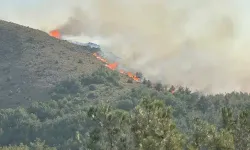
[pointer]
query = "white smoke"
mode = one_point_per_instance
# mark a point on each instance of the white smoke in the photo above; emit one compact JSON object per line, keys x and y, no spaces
{"x":199,"y":43}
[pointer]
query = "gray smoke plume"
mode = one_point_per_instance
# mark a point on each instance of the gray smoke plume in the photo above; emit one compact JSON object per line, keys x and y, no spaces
{"x":75,"y":24}
{"x":198,"y":43}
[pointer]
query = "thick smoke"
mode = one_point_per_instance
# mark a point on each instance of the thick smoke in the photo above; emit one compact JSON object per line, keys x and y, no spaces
{"x":194,"y":43}
{"x":198,"y":43}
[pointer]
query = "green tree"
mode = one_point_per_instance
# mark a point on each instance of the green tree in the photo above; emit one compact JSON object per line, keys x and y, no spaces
{"x":19,"y":147}
{"x":159,"y":87}
{"x":154,"y":128}
{"x":37,"y":145}
{"x":111,"y":128}
{"x":40,"y":145}
{"x":239,"y":127}
{"x":206,"y":136}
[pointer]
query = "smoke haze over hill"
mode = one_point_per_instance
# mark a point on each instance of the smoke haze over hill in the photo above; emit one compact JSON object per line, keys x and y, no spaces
{"x":199,"y":43}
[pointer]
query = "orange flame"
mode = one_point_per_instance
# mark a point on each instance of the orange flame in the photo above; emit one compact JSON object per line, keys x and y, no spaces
{"x":112,"y":66}
{"x":55,"y":34}
{"x":133,"y":76}
{"x":136,"y":79}
{"x":130,"y":74}
{"x":100,"y":58}
{"x":122,"y":71}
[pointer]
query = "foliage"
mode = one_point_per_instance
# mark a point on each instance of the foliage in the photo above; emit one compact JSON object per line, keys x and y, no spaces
{"x":110,"y":128}
{"x":101,"y":76}
{"x":74,"y":86}
{"x":143,"y":117}
{"x":154,"y":128}
{"x":68,"y":86}
{"x":36,"y":145}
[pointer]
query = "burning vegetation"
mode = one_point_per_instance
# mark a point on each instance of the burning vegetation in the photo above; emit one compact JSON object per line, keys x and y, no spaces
{"x":114,"y":66}
{"x":55,"y":34}
{"x":111,"y":65}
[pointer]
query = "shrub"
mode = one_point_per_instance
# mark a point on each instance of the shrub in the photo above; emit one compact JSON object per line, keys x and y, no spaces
{"x":159,"y":87}
{"x":139,"y":75}
{"x":92,"y":95}
{"x":130,"y":81}
{"x":101,"y":76}
{"x":80,"y":61}
{"x":92,"y":87}
{"x":149,"y":84}
{"x":125,"y":105}
{"x":70,"y":86}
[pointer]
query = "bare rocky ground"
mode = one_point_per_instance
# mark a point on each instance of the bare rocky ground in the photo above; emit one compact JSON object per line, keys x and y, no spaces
{"x":31,"y":62}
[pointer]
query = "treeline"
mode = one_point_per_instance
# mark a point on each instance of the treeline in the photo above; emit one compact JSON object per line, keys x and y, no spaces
{"x":144,"y":117}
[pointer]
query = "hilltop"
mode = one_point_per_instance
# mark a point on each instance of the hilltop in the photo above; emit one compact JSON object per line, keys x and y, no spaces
{"x":32,"y":62}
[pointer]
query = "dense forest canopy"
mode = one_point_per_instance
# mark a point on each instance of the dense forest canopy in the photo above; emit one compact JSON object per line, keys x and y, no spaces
{"x":145,"y":117}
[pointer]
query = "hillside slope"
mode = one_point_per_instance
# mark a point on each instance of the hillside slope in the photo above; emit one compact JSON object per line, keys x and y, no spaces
{"x":31,"y":62}
{"x":101,"y":109}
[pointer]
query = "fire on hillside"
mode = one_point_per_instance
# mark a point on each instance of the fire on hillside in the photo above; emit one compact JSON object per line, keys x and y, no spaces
{"x":137,"y":77}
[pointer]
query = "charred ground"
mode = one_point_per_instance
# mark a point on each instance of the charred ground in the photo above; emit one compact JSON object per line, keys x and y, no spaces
{"x":32,"y":62}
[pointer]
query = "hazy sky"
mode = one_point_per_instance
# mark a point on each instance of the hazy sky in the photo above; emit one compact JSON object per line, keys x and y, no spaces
{"x":26,"y":11}
{"x":35,"y":13}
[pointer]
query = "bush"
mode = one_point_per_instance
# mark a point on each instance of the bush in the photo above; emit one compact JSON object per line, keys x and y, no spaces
{"x":159,"y":87}
{"x":139,"y":75}
{"x":102,"y":76}
{"x":70,"y":86}
{"x":92,"y":95}
{"x":149,"y":84}
{"x":92,"y":87}
{"x":130,"y":81}
{"x":80,"y":61}
{"x":125,"y":105}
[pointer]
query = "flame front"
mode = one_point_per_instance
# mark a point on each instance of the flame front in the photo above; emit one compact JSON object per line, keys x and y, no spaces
{"x":55,"y":34}
{"x":100,"y":58}
{"x":112,"y":66}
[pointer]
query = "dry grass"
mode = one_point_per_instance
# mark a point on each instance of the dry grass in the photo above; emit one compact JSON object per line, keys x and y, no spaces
{"x":31,"y":62}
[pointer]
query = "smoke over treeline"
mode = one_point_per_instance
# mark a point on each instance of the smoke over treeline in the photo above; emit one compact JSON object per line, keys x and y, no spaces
{"x":198,"y":43}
